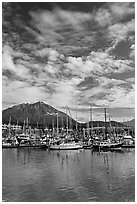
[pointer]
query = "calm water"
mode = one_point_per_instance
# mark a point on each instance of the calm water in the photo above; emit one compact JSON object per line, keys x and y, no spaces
{"x":78,"y":175}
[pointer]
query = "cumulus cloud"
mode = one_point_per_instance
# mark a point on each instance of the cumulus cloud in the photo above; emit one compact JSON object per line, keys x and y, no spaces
{"x":19,"y":91}
{"x":121,"y":10}
{"x":120,"y":31}
{"x":122,"y":98}
{"x":111,"y":17}
{"x":96,"y":64}
{"x":65,"y":48}
{"x":132,"y":53}
{"x":113,"y":12}
{"x":131,"y":80}
{"x":59,"y":18}
{"x":8,"y":63}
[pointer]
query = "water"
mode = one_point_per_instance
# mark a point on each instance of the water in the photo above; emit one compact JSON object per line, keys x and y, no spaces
{"x":34,"y":175}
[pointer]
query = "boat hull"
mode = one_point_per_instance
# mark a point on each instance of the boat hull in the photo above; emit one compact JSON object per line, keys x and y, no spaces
{"x":108,"y":147}
{"x":65,"y":147}
{"x":27,"y":146}
{"x":87,"y":146}
{"x":128,"y":146}
{"x":9,"y":146}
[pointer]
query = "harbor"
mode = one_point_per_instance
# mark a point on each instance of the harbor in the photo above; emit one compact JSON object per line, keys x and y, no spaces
{"x":104,"y":138}
{"x":73,"y":165}
{"x":68,"y":102}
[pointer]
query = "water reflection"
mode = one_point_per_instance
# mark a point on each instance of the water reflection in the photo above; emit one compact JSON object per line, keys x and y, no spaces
{"x":42,"y":175}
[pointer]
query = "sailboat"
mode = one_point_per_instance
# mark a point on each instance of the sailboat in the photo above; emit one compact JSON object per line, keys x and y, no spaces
{"x":64,"y":145}
{"x":107,"y":145}
{"x":9,"y":142}
{"x":88,"y":144}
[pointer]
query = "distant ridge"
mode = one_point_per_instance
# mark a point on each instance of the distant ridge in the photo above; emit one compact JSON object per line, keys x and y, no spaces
{"x":43,"y":115}
{"x":130,"y":123}
{"x":38,"y":113}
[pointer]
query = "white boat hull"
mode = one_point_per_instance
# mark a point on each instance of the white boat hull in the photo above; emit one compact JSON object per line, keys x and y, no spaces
{"x":66,"y":147}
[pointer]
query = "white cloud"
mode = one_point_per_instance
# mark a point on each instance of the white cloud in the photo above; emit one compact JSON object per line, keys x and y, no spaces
{"x":131,"y":80}
{"x":47,"y":75}
{"x":7,"y":60}
{"x":120,"y":9}
{"x":83,"y":68}
{"x":113,"y":12}
{"x":103,"y":17}
{"x":58,"y":18}
{"x":120,"y":31}
{"x":19,"y":92}
{"x":8,"y":63}
{"x":132,"y":53}
{"x":122,"y":97}
{"x":97,"y":64}
{"x":110,"y":64}
{"x":112,"y":18}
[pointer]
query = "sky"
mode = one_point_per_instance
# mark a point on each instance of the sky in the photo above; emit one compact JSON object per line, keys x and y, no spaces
{"x":70,"y":54}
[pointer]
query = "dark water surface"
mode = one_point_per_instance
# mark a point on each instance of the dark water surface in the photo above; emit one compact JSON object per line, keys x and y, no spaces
{"x":77,"y":175}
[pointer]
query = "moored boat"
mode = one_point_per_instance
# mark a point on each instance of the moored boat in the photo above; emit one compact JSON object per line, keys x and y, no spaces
{"x":105,"y":145}
{"x":86,"y":146}
{"x":66,"y":146}
{"x":8,"y":145}
{"x":128,"y":141}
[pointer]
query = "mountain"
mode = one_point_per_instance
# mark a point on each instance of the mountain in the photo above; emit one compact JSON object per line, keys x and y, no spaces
{"x":108,"y":124}
{"x":38,"y":113}
{"x":44,"y":115}
{"x":130,"y":123}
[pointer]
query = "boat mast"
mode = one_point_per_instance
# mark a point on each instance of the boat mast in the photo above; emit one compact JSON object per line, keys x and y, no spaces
{"x":53,"y":127}
{"x":88,"y":128}
{"x":9,"y":125}
{"x":44,"y":123}
{"x":37,"y":128}
{"x":105,"y":123}
{"x":128,"y":127}
{"x":76,"y":117}
{"x":27,"y":122}
{"x":110,"y":125}
{"x":83,"y":133}
{"x":62,"y":123}
{"x":70,"y":118}
{"x":16,"y":128}
{"x":97,"y":129}
{"x":62,"y":126}
{"x":27,"y":125}
{"x":57,"y":123}
{"x":67,"y":121}
{"x":91,"y":120}
{"x":24,"y":127}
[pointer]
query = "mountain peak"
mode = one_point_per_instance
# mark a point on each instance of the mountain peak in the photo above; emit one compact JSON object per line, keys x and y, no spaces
{"x":39,"y":112}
